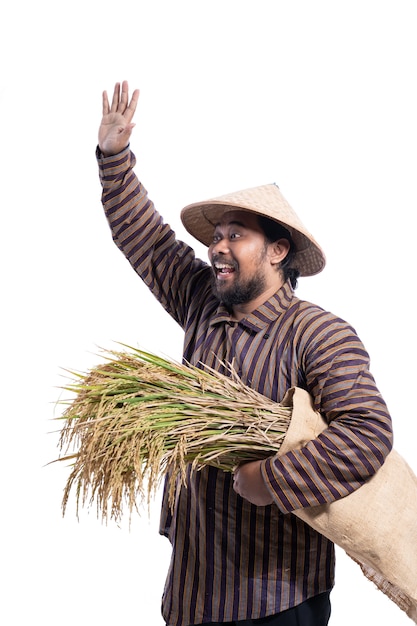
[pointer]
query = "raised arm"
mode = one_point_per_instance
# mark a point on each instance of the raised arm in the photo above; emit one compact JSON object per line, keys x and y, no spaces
{"x":116,"y":125}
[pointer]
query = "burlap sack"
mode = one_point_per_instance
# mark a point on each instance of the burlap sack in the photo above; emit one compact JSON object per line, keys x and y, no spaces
{"x":377,"y":524}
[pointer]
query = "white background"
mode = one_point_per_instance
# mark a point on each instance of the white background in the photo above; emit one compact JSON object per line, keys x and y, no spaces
{"x":317,"y":96}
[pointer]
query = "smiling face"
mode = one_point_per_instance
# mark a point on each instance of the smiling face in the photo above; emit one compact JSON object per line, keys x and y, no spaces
{"x":244,"y":263}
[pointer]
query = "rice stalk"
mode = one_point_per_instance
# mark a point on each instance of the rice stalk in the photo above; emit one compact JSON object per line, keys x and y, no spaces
{"x":138,"y":418}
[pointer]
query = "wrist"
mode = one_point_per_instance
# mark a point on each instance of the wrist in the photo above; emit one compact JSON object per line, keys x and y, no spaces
{"x":104,"y":154}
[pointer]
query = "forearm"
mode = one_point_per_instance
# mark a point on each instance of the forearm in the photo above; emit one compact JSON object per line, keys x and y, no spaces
{"x":126,"y":203}
{"x":345,"y":455}
{"x":165,"y":264}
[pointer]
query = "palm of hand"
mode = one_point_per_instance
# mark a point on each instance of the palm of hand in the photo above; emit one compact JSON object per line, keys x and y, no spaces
{"x":112,"y":133}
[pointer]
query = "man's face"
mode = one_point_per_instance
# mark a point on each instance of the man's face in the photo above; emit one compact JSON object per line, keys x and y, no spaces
{"x":239,"y":258}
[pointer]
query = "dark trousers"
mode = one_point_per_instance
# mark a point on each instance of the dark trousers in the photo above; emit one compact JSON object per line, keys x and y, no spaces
{"x":312,"y":612}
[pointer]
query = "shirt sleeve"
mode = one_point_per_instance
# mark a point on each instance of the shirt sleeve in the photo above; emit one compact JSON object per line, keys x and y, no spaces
{"x":359,"y":433}
{"x":166,"y":265}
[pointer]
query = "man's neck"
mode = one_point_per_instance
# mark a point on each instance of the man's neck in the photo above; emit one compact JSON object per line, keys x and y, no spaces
{"x":241,"y":311}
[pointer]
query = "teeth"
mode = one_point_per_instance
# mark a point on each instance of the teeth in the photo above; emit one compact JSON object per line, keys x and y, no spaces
{"x":223,"y":266}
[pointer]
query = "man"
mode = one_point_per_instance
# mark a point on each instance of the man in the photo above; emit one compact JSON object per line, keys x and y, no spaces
{"x":239,"y":556}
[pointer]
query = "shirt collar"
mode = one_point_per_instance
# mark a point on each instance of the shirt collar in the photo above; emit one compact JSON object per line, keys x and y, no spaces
{"x":263,"y":316}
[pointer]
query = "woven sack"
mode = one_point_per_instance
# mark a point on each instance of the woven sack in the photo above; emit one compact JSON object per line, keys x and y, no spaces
{"x":376,"y":525}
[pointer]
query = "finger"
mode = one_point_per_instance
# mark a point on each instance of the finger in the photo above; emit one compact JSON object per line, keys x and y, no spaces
{"x":130,"y":111}
{"x":124,"y":98}
{"x":106,"y":106}
{"x":115,"y":100}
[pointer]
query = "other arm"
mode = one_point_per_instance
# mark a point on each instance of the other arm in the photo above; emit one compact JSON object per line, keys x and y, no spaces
{"x":350,"y":450}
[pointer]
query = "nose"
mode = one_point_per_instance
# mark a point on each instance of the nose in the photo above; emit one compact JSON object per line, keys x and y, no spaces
{"x":220,"y":246}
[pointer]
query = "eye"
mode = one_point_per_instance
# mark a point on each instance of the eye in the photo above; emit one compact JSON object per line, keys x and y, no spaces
{"x":234,"y":235}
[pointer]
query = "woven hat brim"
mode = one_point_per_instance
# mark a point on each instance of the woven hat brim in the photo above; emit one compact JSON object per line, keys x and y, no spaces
{"x":200,"y":219}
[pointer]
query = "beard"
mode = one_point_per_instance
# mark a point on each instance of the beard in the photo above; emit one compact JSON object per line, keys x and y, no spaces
{"x":241,"y":292}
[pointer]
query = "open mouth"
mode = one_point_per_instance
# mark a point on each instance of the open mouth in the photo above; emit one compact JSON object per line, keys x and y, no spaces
{"x":223,"y":270}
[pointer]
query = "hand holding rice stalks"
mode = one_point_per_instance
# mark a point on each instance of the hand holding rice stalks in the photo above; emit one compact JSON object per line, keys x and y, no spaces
{"x":139,"y":417}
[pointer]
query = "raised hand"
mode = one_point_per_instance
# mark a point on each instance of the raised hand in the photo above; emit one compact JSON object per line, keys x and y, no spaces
{"x":116,"y":125}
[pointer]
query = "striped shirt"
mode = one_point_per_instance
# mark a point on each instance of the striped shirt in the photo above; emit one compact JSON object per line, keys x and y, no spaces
{"x":232,"y":560}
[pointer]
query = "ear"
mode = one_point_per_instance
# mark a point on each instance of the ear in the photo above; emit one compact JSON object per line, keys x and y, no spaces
{"x":279,"y":250}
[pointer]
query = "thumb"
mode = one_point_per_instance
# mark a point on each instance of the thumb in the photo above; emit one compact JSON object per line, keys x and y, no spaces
{"x":127,"y":130}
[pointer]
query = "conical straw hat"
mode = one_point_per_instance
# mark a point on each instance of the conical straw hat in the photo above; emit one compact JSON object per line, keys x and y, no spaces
{"x":200,"y":219}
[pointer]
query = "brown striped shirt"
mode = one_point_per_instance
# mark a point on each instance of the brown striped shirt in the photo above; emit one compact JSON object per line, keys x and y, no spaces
{"x":232,"y":560}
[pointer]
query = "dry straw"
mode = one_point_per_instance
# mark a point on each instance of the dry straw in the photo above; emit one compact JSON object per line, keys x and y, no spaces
{"x":139,"y":417}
